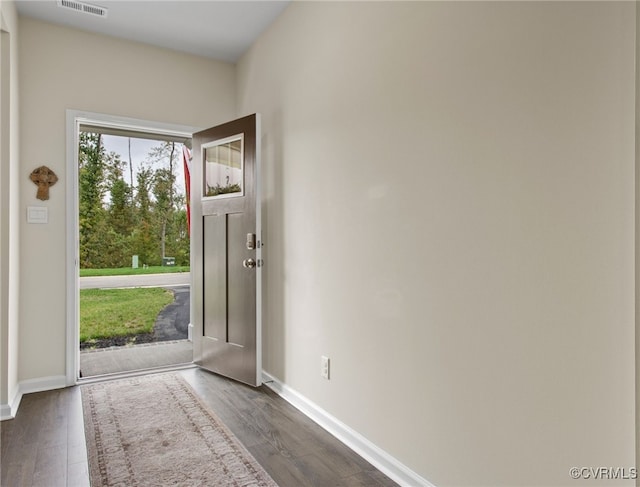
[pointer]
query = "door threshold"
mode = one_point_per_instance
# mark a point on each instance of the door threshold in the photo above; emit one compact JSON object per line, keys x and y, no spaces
{"x":134,"y":373}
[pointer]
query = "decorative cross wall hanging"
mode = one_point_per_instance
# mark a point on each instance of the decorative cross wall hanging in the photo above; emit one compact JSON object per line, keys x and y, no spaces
{"x":43,"y":177}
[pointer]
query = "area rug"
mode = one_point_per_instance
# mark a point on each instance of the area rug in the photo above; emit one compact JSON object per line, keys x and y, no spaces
{"x":154,"y":431}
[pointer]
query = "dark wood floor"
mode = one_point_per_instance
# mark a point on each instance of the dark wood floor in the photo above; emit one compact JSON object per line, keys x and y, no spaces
{"x":44,"y":444}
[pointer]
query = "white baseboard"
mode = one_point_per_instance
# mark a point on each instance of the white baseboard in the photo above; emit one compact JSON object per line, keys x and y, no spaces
{"x":380,"y":459}
{"x":5,"y":412}
{"x":42,"y":384}
{"x":8,"y":411}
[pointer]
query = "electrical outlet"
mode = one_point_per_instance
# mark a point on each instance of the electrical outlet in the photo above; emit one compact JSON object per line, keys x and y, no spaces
{"x":324,"y":367}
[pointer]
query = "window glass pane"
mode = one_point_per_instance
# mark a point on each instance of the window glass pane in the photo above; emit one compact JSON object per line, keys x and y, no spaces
{"x":223,"y":168}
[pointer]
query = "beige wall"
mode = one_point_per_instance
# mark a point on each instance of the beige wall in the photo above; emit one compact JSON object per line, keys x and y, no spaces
{"x":9,"y":205}
{"x":477,"y":300}
{"x":62,"y":69}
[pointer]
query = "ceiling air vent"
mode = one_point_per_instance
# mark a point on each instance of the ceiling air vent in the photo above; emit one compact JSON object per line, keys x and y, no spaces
{"x":83,"y":7}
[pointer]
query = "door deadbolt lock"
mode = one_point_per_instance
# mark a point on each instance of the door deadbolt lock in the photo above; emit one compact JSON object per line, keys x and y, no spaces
{"x":249,"y":263}
{"x":251,"y":241}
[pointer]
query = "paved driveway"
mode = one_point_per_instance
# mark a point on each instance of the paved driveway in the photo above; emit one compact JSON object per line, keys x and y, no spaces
{"x":143,"y":280}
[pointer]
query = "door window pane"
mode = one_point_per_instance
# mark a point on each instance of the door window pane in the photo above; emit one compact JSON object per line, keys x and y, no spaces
{"x":223,"y":168}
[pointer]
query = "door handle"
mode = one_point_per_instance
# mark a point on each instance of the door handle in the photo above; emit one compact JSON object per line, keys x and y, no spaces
{"x":249,"y":263}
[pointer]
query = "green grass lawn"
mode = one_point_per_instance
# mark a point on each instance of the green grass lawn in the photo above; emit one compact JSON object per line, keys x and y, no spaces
{"x":129,"y":271}
{"x":107,"y":313}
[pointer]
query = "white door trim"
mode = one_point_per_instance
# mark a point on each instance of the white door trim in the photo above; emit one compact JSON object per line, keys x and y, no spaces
{"x":74,"y":119}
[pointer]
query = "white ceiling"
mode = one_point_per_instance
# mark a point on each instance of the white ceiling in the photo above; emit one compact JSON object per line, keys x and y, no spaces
{"x":221,"y":30}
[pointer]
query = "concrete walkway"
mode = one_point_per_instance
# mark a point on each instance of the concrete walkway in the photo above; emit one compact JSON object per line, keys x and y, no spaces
{"x":137,"y":357}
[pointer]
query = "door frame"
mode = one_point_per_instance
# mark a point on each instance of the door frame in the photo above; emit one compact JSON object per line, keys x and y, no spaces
{"x":74,"y":118}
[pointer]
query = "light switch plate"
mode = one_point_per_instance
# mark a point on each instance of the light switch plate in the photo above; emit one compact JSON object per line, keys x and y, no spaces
{"x":37,"y":214}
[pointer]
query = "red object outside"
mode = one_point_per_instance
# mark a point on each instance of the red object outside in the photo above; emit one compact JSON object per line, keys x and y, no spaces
{"x":186,"y":160}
